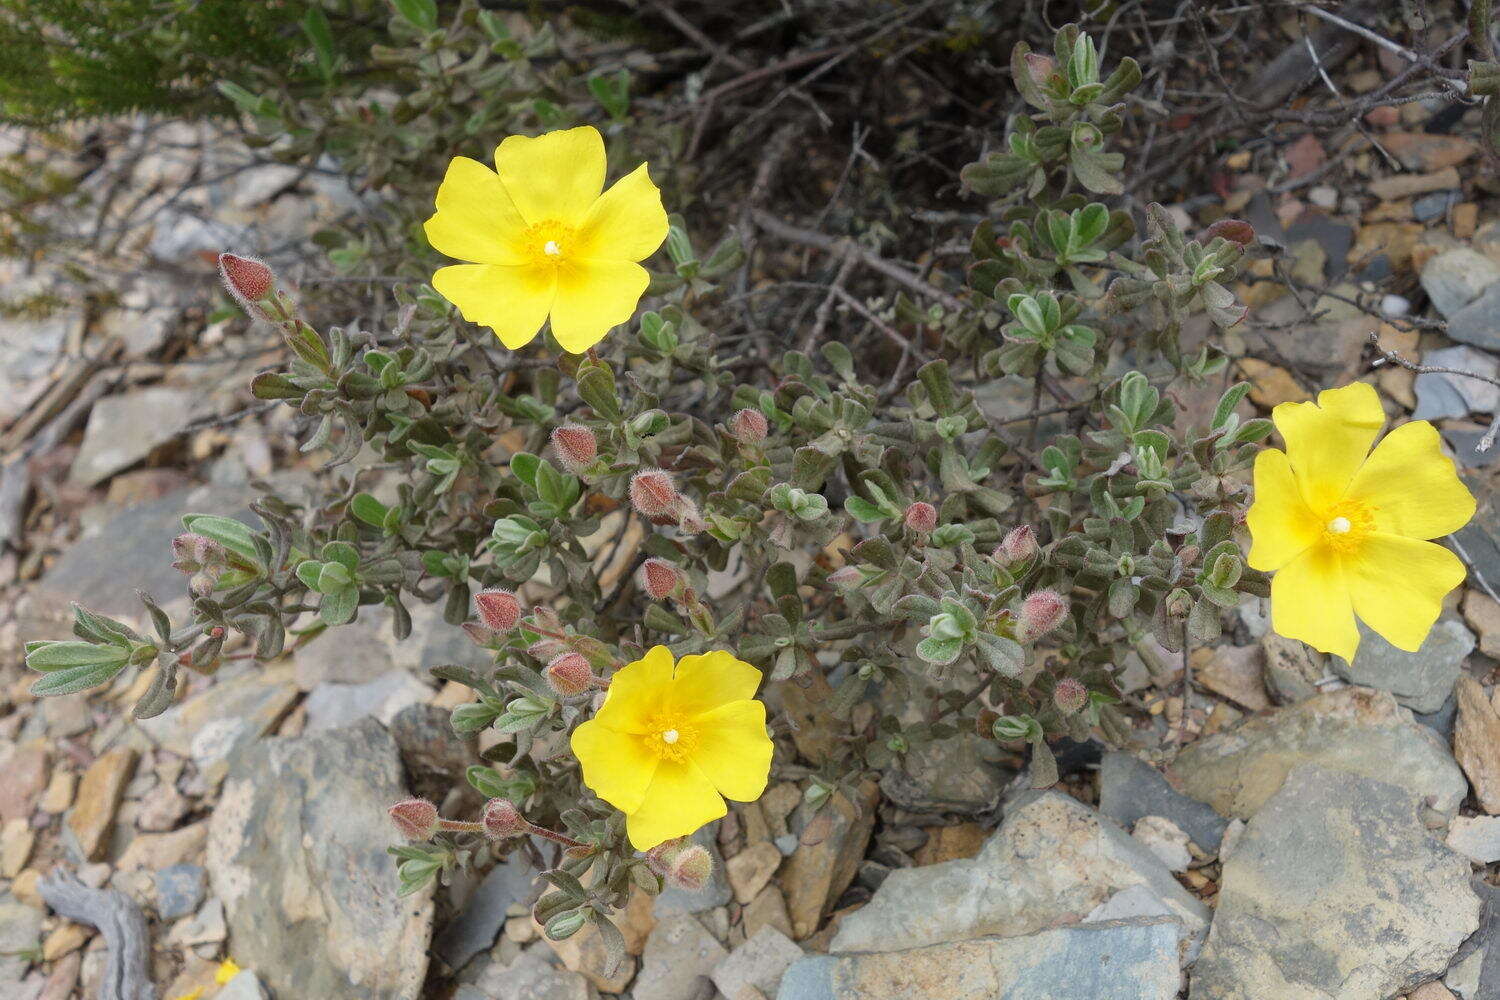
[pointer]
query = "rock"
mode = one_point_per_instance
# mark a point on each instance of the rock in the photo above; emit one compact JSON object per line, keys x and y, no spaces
{"x":220,"y":724}
{"x":154,"y":851}
{"x":1128,"y":904}
{"x":1428,"y":151}
{"x":529,"y":977}
{"x":1431,"y":991}
{"x":331,"y":705}
{"x":474,"y":928}
{"x":23,"y":776}
{"x":1476,"y":743}
{"x":124,"y":429}
{"x":1422,"y":680}
{"x":1476,"y":838}
{"x":1129,"y":960}
{"x":162,"y":808}
{"x":245,"y":985}
{"x":759,"y":963}
{"x":1166,"y":840}
{"x":1456,"y":277}
{"x":367,"y":648}
{"x":750,"y":870}
{"x":1482,"y":612}
{"x":1335,"y":892}
{"x":179,"y":890}
{"x":949,"y":843}
{"x":1390,"y":189}
{"x":1463,"y":975}
{"x":1442,"y":395}
{"x":767,"y":910}
{"x":1435,"y":205}
{"x":1130,"y":788}
{"x":716,"y":893}
{"x":98,"y":797}
{"x":958,"y":775}
{"x":1234,"y":672}
{"x":1052,"y":860}
{"x":1357,"y":730}
{"x":832,"y":843}
{"x":1293,"y":668}
{"x":16,"y":840}
{"x":297,"y":853}
{"x":29,"y":348}
{"x":678,"y":952}
{"x":207,"y":926}
{"x":20,"y":926}
{"x":430,"y":749}
{"x":586,"y":954}
{"x":1271,"y":384}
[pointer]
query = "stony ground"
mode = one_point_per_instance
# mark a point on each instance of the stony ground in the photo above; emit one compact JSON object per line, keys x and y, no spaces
{"x":1287,"y":826}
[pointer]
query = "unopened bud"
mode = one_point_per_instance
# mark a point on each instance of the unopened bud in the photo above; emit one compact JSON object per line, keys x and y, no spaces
{"x":688,"y":520}
{"x":498,"y":609}
{"x":502,"y":819}
{"x":569,"y":674}
{"x":1070,"y":696}
{"x":546,"y":649}
{"x":691,"y":869}
{"x":652,"y":493}
{"x":845,"y":576}
{"x":1233,"y":230}
{"x":1041,"y":612}
{"x":921,"y":517}
{"x":659,"y":578}
{"x":984,"y":721}
{"x":1039,"y":67}
{"x":576,"y":446}
{"x":1018,"y":544}
{"x":416,"y":819}
{"x":749,"y":426}
{"x":661,"y":856}
{"x":246,"y":278}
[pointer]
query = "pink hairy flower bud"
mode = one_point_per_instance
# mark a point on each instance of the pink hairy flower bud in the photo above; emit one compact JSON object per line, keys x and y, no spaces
{"x":921,"y":517}
{"x":1039,"y":67}
{"x":653,"y":493}
{"x":1018,"y":545}
{"x":1233,"y":230}
{"x":689,"y":521}
{"x":247,"y":279}
{"x":576,"y":446}
{"x":659,"y":578}
{"x":749,"y":426}
{"x":691,"y":869}
{"x":661,"y":856}
{"x":502,"y":819}
{"x":498,"y":609}
{"x":1041,"y":612}
{"x":1070,"y":696}
{"x":416,"y":819}
{"x":546,"y":649}
{"x":570,"y":674}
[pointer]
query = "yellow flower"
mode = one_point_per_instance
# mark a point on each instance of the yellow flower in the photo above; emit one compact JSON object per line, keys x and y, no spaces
{"x":1344,"y":528}
{"x":544,"y":240}
{"x":671,"y":743}
{"x":226,"y":971}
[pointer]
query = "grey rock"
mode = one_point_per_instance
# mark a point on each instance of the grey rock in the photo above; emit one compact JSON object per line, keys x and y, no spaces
{"x":1434,"y":205}
{"x":1421,"y":681}
{"x":1456,"y":277}
{"x":716,"y":893}
{"x":1357,"y":730}
{"x":432,"y":752}
{"x":1052,"y":860}
{"x":1130,"y":788}
{"x":1476,"y":838}
{"x":1441,"y":395}
{"x":1478,"y":323}
{"x":331,"y":705}
{"x":759,"y":962}
{"x":1128,"y":960}
{"x":1292,"y":668}
{"x":1464,"y":975}
{"x":1129,"y":904}
{"x":1336,"y":890}
{"x":1480,"y":538}
{"x":219,"y":724}
{"x":679,"y":951}
{"x":207,"y":926}
{"x":476,"y":926}
{"x":29,"y":348}
{"x":297,"y":852}
{"x":367,"y":648}
{"x":179,"y":890}
{"x":122,"y":430}
{"x":529,"y":977}
{"x":245,"y":985}
{"x":958,"y":775}
{"x":20,"y":926}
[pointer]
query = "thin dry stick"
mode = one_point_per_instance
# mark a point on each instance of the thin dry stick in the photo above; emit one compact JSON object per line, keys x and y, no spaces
{"x":1486,"y":442}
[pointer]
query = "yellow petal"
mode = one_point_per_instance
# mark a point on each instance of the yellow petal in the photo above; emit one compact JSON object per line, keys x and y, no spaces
{"x":1398,"y":585}
{"x":593,"y":297}
{"x":1310,"y":602}
{"x":476,"y":220}
{"x":708,"y":680}
{"x":1281,"y":526}
{"x":679,"y":801}
{"x":627,"y":222}
{"x":617,"y":766}
{"x":554,"y":177}
{"x":734,"y":750}
{"x":512,"y":301}
{"x":637,"y":691}
{"x":1327,"y":442}
{"x":1411,"y":486}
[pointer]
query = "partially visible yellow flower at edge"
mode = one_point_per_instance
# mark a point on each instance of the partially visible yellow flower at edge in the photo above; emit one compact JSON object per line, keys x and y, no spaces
{"x":226,"y":971}
{"x":671,"y":743}
{"x":544,"y":240}
{"x":1346,"y":529}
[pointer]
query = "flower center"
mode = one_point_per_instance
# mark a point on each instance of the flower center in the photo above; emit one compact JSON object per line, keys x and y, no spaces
{"x":547,"y":242}
{"x":669,"y":738}
{"x":1349,"y":521}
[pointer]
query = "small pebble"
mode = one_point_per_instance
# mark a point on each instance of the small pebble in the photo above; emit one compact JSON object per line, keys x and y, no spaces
{"x":1395,"y":305}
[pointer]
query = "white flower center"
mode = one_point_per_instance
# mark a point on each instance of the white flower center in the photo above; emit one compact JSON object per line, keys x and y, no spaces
{"x":1339,"y":526}
{"x":551,"y":249}
{"x":670,"y":736}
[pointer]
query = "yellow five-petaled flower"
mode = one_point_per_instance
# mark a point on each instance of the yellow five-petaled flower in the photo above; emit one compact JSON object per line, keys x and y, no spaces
{"x":672,"y":742}
{"x":1346,"y":529}
{"x":544,"y":240}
